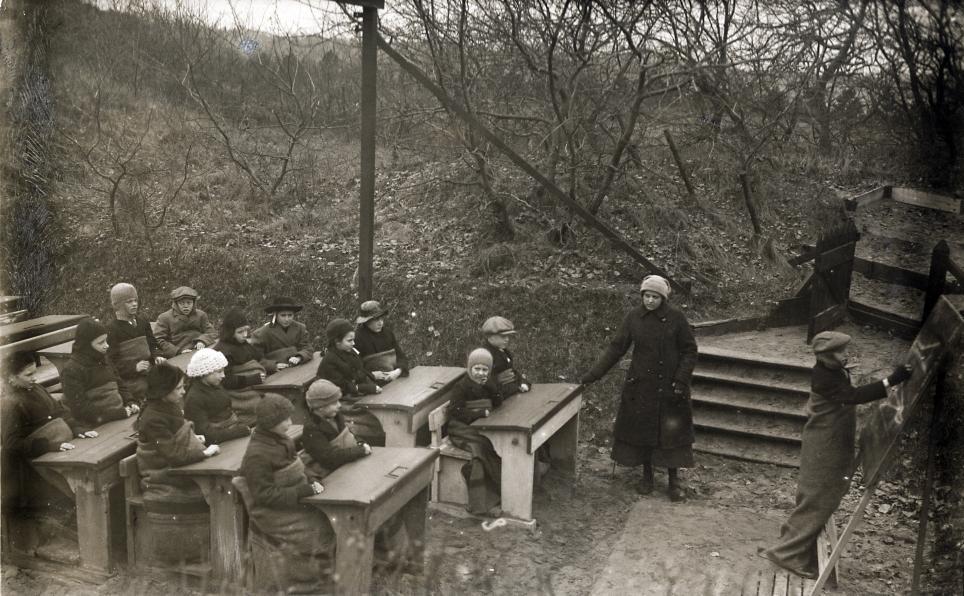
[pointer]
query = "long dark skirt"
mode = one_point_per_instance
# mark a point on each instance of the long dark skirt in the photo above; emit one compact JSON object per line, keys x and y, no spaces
{"x":626,"y":454}
{"x":483,"y":473}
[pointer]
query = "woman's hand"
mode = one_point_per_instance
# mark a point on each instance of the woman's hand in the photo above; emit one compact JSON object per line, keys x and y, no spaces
{"x":681,"y":390}
{"x":900,"y":374}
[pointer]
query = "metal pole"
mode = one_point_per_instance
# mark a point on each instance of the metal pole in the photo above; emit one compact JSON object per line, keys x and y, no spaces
{"x":366,"y":223}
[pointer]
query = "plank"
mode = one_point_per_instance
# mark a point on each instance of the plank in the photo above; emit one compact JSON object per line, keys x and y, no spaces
{"x":525,"y":411}
{"x":890,"y":274}
{"x":228,"y":461}
{"x":408,"y":393}
{"x":38,"y":342}
{"x":115,"y":440}
{"x":370,"y":479}
{"x":928,"y":200}
{"x":293,"y":377}
{"x":21,"y":330}
{"x":868,"y":198}
{"x":835,"y":257}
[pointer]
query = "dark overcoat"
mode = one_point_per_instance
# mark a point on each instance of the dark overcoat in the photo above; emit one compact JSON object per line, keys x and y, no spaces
{"x":664,"y":352}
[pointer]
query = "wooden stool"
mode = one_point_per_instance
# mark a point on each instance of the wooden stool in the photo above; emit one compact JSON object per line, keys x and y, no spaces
{"x":449,"y":484}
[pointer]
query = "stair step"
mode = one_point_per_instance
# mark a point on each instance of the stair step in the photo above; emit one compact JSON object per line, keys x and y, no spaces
{"x":739,"y":423}
{"x":749,"y":399}
{"x":711,"y":353}
{"x":746,"y":448}
{"x":757,"y":379}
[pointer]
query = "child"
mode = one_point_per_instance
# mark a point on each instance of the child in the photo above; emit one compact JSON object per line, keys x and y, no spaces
{"x":473,"y":397}
{"x":283,"y":339}
{"x":207,"y":404}
{"x":827,"y":451}
{"x":327,"y":440}
{"x":91,"y":388}
{"x":276,"y":482}
{"x":377,"y":345}
{"x":133,"y":349}
{"x":184,"y":328}
{"x":166,"y":440}
{"x":497,"y":331}
{"x":245,"y":366}
{"x":342,"y":366}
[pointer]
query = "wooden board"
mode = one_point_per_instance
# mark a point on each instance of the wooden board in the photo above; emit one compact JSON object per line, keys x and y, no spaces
{"x":525,"y":411}
{"x":33,"y":327}
{"x":928,"y":200}
{"x":228,"y":461}
{"x":890,"y":274}
{"x":115,"y":439}
{"x":408,"y":393}
{"x":38,"y":342}
{"x":293,"y":377}
{"x":868,"y":198}
{"x":370,"y":479}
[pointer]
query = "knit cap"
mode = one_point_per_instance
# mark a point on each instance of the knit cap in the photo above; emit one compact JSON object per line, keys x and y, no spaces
{"x":121,"y":293}
{"x":337,"y":329}
{"x":162,"y":379}
{"x":322,"y":393}
{"x":271,"y":410}
{"x":656,"y":283}
{"x":828,"y":341}
{"x":498,"y":326}
{"x":206,"y":361}
{"x":479,"y":356}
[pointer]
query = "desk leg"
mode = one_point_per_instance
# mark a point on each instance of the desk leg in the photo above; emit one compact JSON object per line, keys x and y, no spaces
{"x":227,"y":528}
{"x":413,"y":516}
{"x":354,"y":551}
{"x":93,"y":524}
{"x":518,"y":471}
{"x":395,"y":425}
{"x":564,"y":445}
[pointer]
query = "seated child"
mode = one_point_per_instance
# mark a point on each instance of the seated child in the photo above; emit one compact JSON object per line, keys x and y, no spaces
{"x":327,"y":440}
{"x":245,"y":365}
{"x":377,"y":345}
{"x":185,"y":327}
{"x":497,"y":331}
{"x":474,"y":396}
{"x":132,"y":347}
{"x":342,"y":366}
{"x":274,"y":484}
{"x":284,"y":340}
{"x":207,"y":404}
{"x":91,"y":389}
{"x":166,"y":440}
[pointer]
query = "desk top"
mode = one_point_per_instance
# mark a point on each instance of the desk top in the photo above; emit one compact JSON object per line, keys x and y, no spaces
{"x":31,"y":327}
{"x":115,"y":440}
{"x":63,"y":349}
{"x":181,"y":361}
{"x":228,"y":461}
{"x":526,"y":411}
{"x":408,"y":393}
{"x":372,"y":478}
{"x":293,"y":377}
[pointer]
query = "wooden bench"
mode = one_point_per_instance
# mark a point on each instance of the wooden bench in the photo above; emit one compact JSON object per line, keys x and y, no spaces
{"x":22,"y":330}
{"x":448,"y":485}
{"x":39,"y":342}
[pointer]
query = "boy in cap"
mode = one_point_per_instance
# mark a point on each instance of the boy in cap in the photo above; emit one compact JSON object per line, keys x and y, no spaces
{"x":827,"y":452}
{"x":497,"y":332}
{"x":284,"y":340}
{"x":327,"y":439}
{"x":132,"y":346}
{"x":377,"y":345}
{"x":185,"y":327}
{"x":207,"y":404}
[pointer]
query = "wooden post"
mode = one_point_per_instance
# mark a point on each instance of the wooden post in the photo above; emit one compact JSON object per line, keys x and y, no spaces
{"x":681,"y":166}
{"x":748,"y":198}
{"x":366,"y":212}
{"x":937,"y":276}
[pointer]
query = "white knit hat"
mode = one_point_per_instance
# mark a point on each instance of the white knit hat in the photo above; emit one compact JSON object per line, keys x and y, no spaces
{"x":206,"y":361}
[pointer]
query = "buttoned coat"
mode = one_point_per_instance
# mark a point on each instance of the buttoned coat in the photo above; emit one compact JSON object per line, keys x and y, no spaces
{"x":272,"y":337}
{"x":650,"y":413}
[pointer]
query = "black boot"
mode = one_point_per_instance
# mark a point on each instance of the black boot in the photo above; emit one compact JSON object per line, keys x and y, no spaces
{"x":675,"y":489}
{"x":647,"y":483}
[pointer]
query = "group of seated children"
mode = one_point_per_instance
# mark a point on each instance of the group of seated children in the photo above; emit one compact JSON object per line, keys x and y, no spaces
{"x":119,"y":370}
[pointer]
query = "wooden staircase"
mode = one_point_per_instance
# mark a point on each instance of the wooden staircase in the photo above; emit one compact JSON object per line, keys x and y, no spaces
{"x":749,"y":407}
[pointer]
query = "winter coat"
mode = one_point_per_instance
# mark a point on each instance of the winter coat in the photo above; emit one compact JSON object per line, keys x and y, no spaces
{"x":29,"y":409}
{"x":177,"y":332}
{"x":273,"y":337}
{"x":158,"y":422}
{"x":239,"y":353}
{"x":208,"y":407}
{"x":317,"y":441}
{"x":88,"y":369}
{"x":268,"y":452}
{"x":165,"y":439}
{"x":466,"y":391}
{"x":347,"y":372}
{"x":664,"y":352}
{"x":367,"y":342}
{"x":502,"y":362}
{"x":120,"y":331}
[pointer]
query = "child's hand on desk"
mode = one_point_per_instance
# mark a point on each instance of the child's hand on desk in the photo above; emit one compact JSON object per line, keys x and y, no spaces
{"x":199,"y":345}
{"x":66,"y":446}
{"x":211,"y":450}
{"x":88,"y":434}
{"x":187,"y":350}
{"x":159,"y":359}
{"x":317,"y":488}
{"x":379,"y":375}
{"x":394,"y":374}
{"x":282,"y":365}
{"x":524,"y":387}
{"x":378,"y":389}
{"x":142,"y":366}
{"x":132,"y":409}
{"x":294,"y":360}
{"x":367,"y":448}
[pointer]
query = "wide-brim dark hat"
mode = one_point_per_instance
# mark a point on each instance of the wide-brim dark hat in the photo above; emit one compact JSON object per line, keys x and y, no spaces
{"x":369,"y":310}
{"x":281,"y":303}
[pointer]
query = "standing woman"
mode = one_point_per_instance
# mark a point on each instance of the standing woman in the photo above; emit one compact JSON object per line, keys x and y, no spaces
{"x":654,"y":425}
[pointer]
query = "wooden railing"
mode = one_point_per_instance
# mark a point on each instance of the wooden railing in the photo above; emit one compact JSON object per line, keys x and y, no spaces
{"x":941,"y":265}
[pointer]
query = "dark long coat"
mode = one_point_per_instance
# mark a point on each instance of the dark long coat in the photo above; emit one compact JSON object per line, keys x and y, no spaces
{"x":664,"y":352}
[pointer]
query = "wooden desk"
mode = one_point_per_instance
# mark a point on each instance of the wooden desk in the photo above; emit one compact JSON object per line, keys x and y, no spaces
{"x":31,"y":327}
{"x":522,"y":424}
{"x":404,"y":404}
{"x":8,"y":303}
{"x":88,"y":473}
{"x":213,"y":475}
{"x":60,"y":354}
{"x":181,"y":361}
{"x":362,"y":495}
{"x":292,"y":383}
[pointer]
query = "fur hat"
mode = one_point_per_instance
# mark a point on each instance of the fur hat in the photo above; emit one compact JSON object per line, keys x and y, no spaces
{"x":205,"y":361}
{"x":322,"y":393}
{"x":656,"y":283}
{"x":479,"y":356}
{"x":121,"y":293}
{"x":498,"y":326}
{"x":282,"y":303}
{"x":184,"y":292}
{"x":829,"y":341}
{"x":233,"y":319}
{"x":337,"y":329}
{"x":370,"y":310}
{"x":272,"y":409}
{"x":162,"y":379}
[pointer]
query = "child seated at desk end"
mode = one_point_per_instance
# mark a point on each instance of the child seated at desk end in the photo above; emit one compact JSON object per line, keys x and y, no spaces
{"x":284,"y":340}
{"x":497,"y":332}
{"x":184,"y":328}
{"x":377,"y":345}
{"x":207,"y":404}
